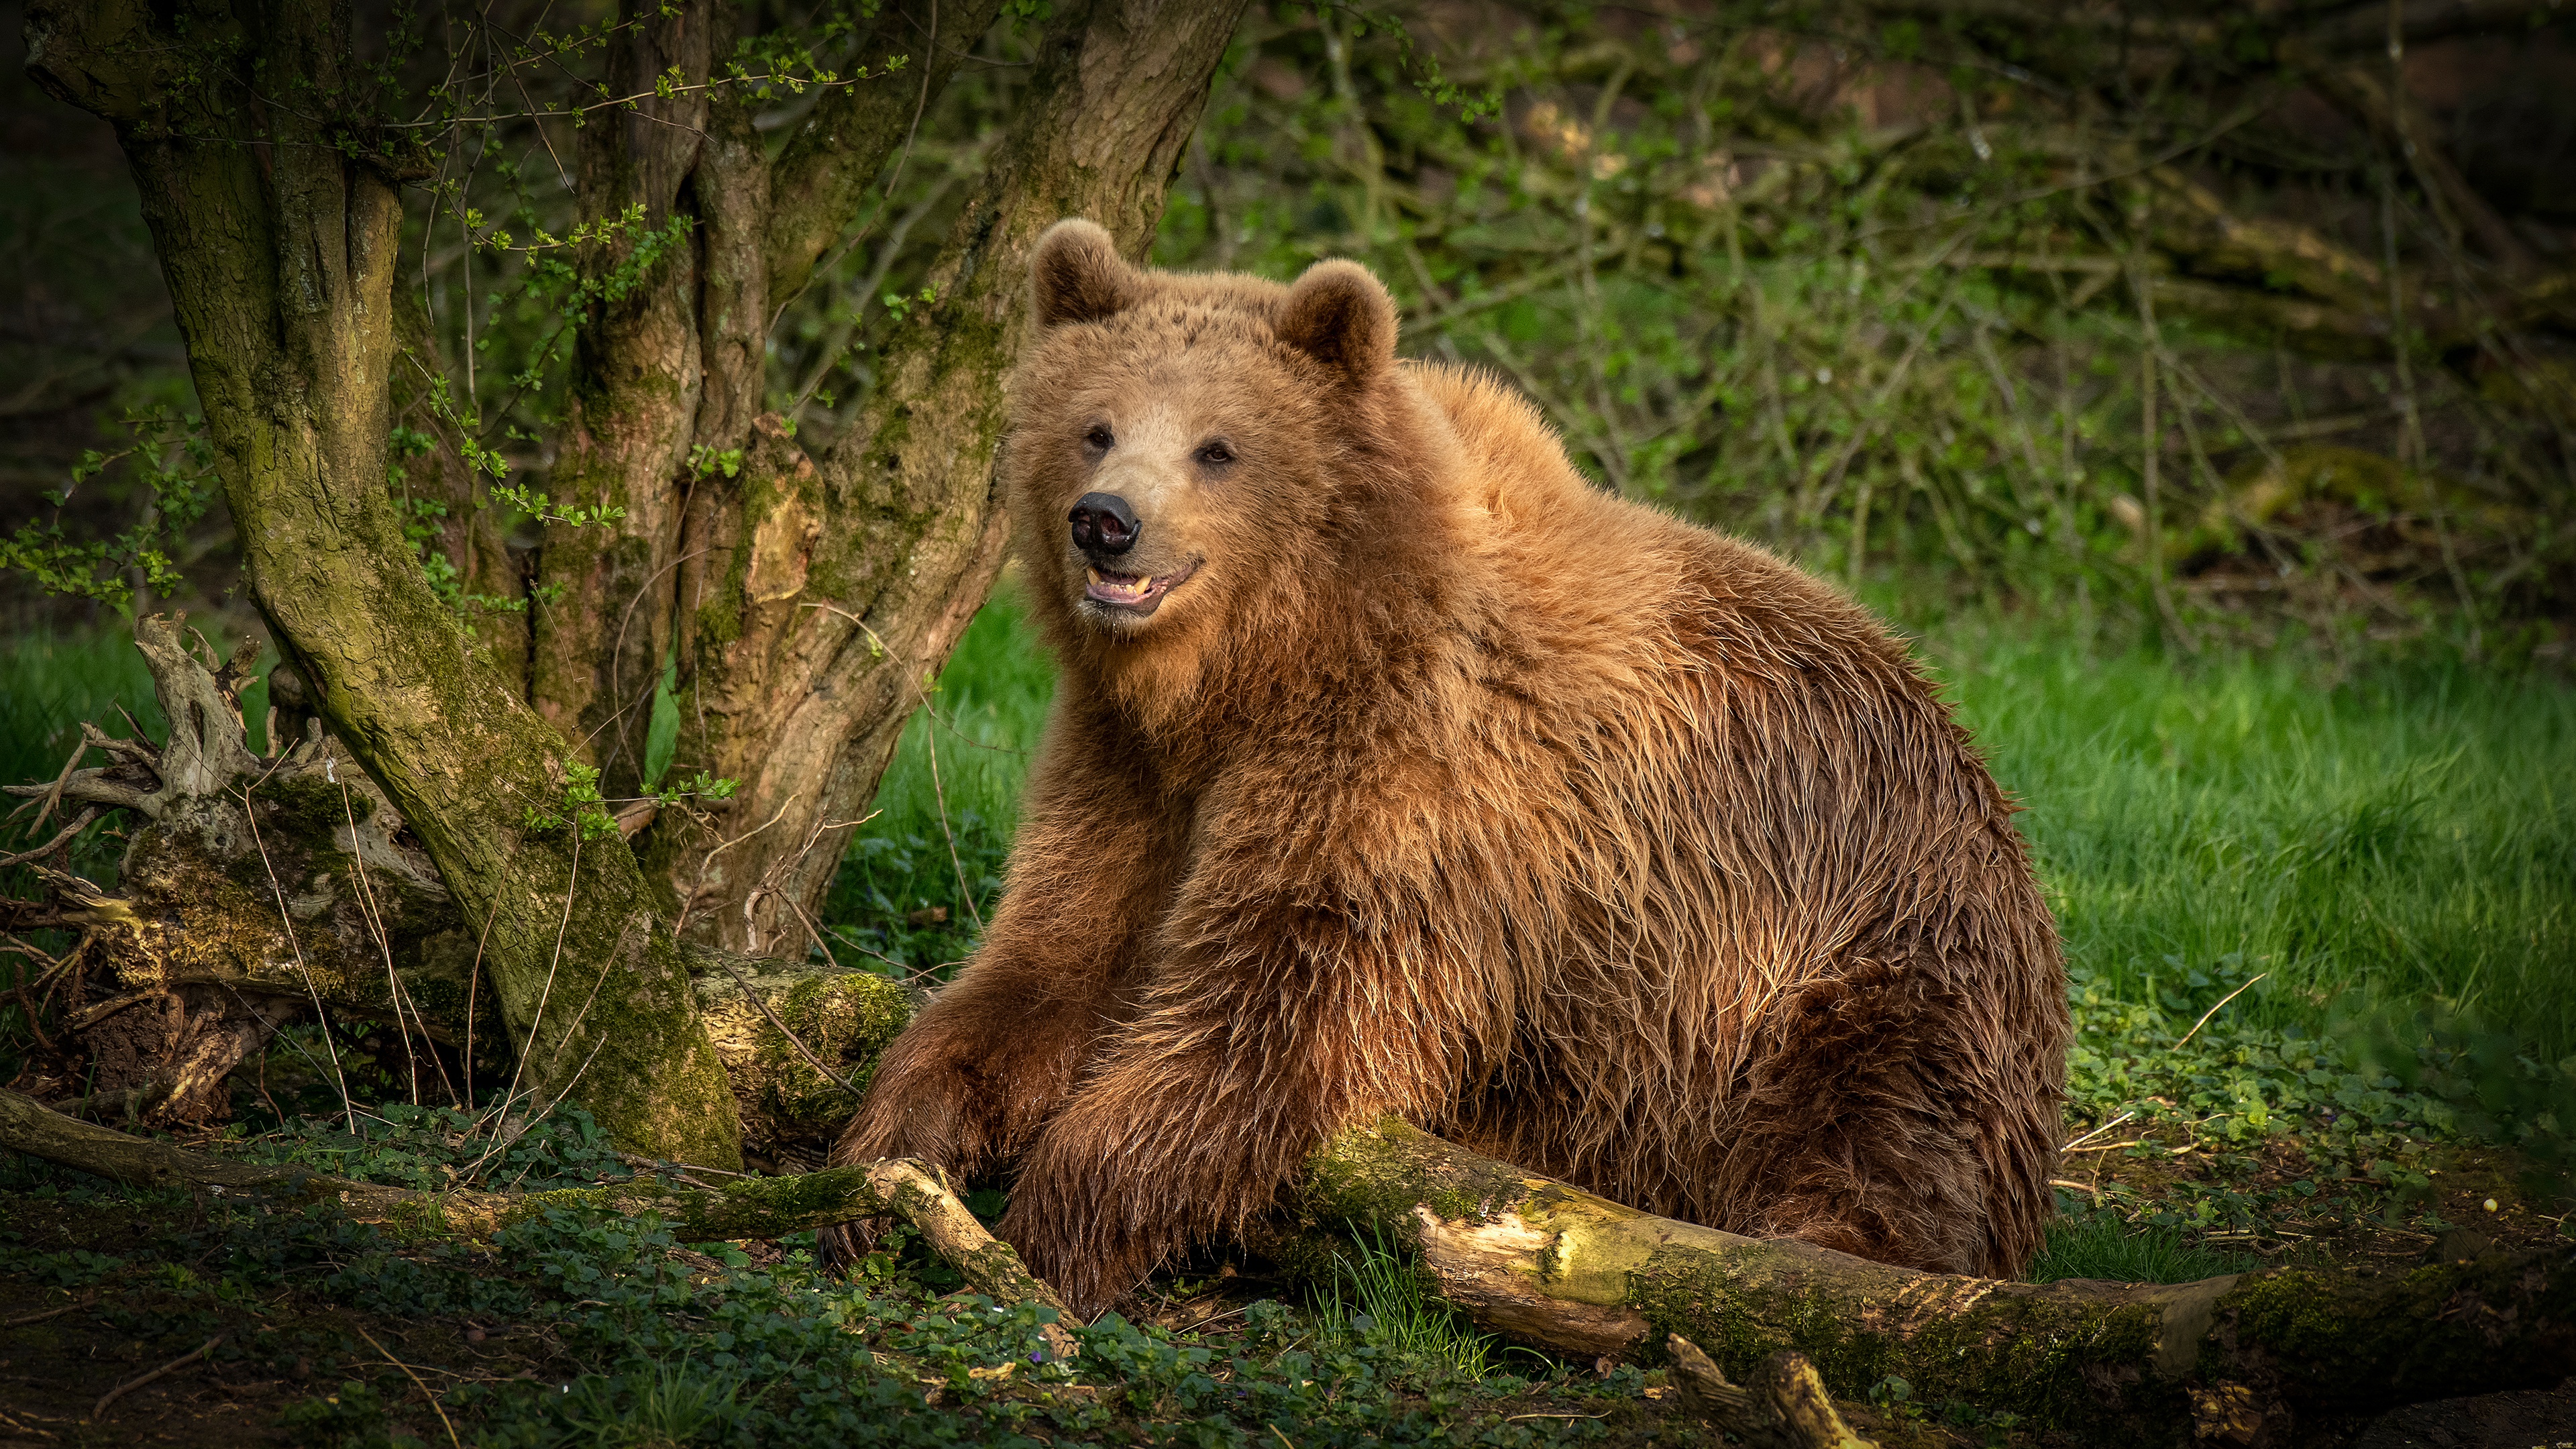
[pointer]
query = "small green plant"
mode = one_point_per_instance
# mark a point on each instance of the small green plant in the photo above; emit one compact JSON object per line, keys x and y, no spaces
{"x":1389,"y":1307}
{"x":175,"y":463}
{"x":661,"y":1404}
{"x":584,"y":809}
{"x":706,"y":460}
{"x":2099,"y":1245}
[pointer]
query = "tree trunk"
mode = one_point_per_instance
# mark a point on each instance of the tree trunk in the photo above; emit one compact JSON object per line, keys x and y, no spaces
{"x":817,"y":595}
{"x":256,"y":892}
{"x":280,"y":252}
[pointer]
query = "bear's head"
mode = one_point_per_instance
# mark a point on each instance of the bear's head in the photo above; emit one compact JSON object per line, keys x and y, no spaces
{"x":1183,"y":448}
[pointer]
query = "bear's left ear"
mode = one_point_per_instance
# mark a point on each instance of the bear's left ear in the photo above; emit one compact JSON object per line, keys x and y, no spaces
{"x":1342,"y":317}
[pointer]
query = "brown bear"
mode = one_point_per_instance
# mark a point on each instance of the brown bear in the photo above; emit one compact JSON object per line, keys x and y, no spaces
{"x":1397,"y":769}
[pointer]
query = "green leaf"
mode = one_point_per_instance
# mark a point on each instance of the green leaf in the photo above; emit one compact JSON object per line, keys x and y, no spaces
{"x":662,"y":736}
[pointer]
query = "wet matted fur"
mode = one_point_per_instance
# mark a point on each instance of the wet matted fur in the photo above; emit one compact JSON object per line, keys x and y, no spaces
{"x":1402,"y":771}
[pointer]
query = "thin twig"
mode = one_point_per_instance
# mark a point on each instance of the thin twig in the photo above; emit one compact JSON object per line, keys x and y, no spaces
{"x":415,"y":1383}
{"x":572,"y":880}
{"x":45,"y":803}
{"x":384,"y":943}
{"x":23,"y":1319}
{"x":2098,"y":1131}
{"x":698,"y":887}
{"x":140,"y":1380}
{"x":58,"y":842}
{"x":930,"y":745}
{"x":2213,"y":1011}
{"x":473,"y":987}
{"x":287,"y":919}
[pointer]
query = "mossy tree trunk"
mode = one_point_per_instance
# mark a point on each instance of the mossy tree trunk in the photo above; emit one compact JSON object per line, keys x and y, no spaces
{"x":270,"y":184}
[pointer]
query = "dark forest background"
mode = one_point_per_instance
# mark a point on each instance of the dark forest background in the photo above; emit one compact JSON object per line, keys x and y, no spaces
{"x":2197,"y":320}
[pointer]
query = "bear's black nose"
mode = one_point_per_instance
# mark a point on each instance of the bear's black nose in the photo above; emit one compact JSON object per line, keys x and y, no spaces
{"x":1104,"y":524}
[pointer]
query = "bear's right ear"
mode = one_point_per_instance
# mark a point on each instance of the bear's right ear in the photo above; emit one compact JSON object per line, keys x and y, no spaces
{"x":1076,"y":275}
{"x":1341,"y":316}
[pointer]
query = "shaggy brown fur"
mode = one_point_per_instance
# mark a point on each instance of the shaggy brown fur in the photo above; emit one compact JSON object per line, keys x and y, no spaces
{"x":1439,"y":783}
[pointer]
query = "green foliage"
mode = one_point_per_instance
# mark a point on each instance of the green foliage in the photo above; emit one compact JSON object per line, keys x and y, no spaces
{"x":586,"y":812}
{"x":434,"y":1148}
{"x":174,"y":464}
{"x":1883,"y":295}
{"x":656,"y":1405}
{"x":706,"y":460}
{"x":582,"y":810}
{"x":626,"y":1336}
{"x":662,"y":729}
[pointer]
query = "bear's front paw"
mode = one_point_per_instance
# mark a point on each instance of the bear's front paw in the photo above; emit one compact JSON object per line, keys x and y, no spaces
{"x":921,"y":1123}
{"x":1085,"y":1245}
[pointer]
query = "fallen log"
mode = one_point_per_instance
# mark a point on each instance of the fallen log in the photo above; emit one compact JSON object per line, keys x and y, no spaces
{"x":1553,"y":1266}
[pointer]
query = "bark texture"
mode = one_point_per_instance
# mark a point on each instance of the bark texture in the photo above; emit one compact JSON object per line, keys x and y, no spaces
{"x":280,"y":252}
{"x":817,"y":596}
{"x":260,"y":891}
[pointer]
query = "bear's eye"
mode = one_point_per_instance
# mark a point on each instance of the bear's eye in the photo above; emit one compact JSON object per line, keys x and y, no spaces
{"x":1100,"y":437}
{"x":1214,"y":453}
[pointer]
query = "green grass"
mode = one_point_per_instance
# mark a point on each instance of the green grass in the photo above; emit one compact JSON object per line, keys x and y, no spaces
{"x":49,"y":684}
{"x":2101,"y":1246}
{"x":1388,"y":1305}
{"x":2400,"y":840}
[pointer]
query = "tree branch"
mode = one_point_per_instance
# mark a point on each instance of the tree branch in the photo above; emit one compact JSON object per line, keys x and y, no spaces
{"x":818,"y":182}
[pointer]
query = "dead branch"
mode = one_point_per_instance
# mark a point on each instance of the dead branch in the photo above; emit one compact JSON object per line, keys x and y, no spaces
{"x":1784,"y":1407}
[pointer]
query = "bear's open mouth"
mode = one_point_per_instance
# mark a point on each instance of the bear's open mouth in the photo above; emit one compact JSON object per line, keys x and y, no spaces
{"x":1135,"y":593}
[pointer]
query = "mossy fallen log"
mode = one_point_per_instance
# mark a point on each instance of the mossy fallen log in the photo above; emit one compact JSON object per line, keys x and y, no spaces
{"x":1561,"y":1268}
